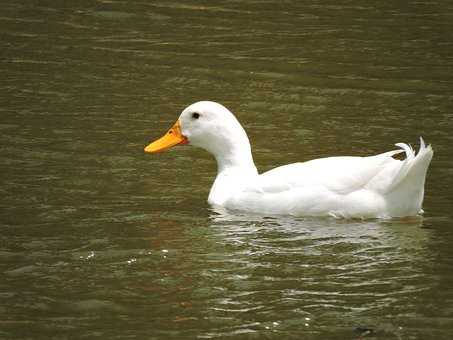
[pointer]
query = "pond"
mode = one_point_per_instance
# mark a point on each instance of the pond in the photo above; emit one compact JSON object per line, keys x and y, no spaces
{"x":100,"y":240}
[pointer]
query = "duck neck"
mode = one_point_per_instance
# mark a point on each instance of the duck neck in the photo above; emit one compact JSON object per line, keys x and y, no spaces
{"x":237,"y":157}
{"x":235,"y":169}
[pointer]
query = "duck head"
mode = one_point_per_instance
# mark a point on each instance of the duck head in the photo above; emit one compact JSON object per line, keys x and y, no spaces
{"x":208,"y":125}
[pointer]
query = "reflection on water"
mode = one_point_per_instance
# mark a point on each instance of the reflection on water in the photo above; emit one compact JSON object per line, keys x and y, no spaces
{"x":99,"y":240}
{"x":315,"y":269}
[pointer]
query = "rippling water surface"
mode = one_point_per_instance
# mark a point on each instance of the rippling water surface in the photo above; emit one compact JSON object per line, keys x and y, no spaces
{"x":99,"y":240}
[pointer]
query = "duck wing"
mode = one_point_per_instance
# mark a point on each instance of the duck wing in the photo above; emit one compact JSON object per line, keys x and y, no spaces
{"x":339,"y":175}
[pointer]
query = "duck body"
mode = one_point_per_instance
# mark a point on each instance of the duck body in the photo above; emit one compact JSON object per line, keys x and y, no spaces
{"x":348,"y":187}
{"x":378,"y":186}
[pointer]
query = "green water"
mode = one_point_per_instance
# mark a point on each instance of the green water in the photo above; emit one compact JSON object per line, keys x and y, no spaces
{"x":99,"y":240}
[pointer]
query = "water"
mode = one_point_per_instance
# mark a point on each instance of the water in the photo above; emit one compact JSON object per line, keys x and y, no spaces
{"x":99,"y":240}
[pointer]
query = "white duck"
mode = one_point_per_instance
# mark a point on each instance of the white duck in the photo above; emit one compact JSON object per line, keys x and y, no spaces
{"x":351,"y":187}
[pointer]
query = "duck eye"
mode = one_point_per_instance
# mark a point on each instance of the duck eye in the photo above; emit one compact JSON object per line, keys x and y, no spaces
{"x":195,"y":115}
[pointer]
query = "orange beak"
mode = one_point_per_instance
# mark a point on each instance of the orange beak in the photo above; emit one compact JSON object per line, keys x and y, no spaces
{"x":171,"y":138}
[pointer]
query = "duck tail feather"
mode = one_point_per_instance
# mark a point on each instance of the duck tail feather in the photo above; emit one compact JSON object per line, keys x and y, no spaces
{"x":415,"y":166}
{"x":410,"y":154}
